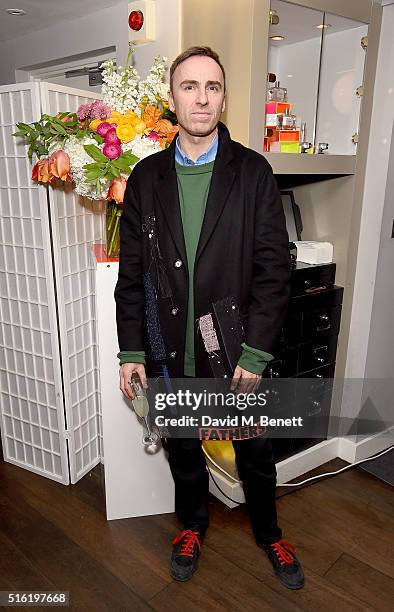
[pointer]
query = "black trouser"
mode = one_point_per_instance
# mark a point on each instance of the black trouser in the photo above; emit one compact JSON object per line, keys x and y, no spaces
{"x":256,"y":469}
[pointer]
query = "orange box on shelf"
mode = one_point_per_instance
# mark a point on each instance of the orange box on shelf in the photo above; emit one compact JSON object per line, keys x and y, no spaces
{"x":289,"y":136}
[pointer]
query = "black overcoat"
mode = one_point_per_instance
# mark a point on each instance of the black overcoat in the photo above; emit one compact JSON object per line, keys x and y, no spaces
{"x":243,"y":252}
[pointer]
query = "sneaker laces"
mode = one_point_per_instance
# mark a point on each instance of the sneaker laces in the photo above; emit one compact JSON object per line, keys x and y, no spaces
{"x":284,"y":551}
{"x":190,"y":539}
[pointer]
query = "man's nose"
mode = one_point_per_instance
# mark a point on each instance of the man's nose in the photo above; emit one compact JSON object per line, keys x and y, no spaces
{"x":202,"y":97}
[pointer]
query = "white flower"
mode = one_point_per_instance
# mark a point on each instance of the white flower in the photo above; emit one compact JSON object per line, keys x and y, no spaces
{"x":123,"y":88}
{"x":141,"y":147}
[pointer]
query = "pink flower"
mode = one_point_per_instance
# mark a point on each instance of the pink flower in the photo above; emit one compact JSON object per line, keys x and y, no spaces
{"x":83,"y":112}
{"x":112,"y":151}
{"x":154,"y":136}
{"x":111,"y":137}
{"x":103,"y":128}
{"x":99,"y":110}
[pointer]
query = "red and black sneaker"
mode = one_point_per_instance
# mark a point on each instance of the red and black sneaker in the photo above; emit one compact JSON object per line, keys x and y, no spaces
{"x":286,"y":565}
{"x":185,"y":554}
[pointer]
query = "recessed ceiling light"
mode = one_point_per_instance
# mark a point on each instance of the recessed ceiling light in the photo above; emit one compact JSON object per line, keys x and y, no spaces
{"x":323,"y":26}
{"x":15,"y":11}
{"x":277,"y":37}
{"x":290,"y":76}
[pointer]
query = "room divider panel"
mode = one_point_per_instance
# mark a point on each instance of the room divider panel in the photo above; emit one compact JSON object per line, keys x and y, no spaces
{"x":48,"y":350}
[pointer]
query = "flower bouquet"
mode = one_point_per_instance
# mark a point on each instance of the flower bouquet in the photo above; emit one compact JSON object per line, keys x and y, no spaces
{"x":97,"y":147}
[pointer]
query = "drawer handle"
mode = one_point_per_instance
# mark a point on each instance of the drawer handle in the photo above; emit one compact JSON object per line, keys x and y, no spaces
{"x":323,"y":353}
{"x":324,"y":324}
{"x":315,"y":409}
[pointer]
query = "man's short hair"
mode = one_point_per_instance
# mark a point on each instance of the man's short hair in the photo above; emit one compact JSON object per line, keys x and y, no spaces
{"x":191,"y":52}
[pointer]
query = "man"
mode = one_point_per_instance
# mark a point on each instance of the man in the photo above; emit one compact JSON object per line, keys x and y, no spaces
{"x":203,"y":220}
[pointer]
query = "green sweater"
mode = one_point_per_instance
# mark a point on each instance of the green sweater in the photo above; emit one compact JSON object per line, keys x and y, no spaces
{"x":193,"y":187}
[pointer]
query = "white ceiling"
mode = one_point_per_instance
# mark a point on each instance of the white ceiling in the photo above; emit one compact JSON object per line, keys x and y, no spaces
{"x":297,"y":23}
{"x":43,"y":13}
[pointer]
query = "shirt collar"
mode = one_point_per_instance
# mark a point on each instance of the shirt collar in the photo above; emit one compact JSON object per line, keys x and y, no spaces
{"x":209,"y":155}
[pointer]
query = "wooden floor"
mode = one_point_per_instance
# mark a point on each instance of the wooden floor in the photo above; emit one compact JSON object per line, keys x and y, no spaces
{"x":55,"y":537}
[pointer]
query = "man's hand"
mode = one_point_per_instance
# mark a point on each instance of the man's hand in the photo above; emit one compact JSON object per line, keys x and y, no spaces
{"x":244,"y":381}
{"x":125,"y":372}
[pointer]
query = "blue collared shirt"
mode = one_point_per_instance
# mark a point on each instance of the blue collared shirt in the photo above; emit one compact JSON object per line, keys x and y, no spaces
{"x":205,"y":158}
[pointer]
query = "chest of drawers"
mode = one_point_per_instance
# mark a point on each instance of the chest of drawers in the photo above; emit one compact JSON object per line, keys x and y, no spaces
{"x":307,"y":350}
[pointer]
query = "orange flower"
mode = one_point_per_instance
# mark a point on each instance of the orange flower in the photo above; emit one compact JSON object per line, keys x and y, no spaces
{"x":116,"y":189}
{"x":64,"y":119}
{"x":34,"y":172}
{"x":151,"y":116}
{"x":172,"y":133}
{"x":59,"y":165}
{"x":163,"y":127}
{"x":43,"y":173}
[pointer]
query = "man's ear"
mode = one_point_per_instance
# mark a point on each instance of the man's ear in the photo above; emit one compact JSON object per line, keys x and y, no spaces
{"x":171,"y":101}
{"x":224,"y":104}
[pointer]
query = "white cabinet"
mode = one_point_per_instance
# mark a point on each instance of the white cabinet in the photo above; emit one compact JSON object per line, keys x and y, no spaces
{"x":136,"y":483}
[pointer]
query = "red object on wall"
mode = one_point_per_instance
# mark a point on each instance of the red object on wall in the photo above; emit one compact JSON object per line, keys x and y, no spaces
{"x":136,"y":20}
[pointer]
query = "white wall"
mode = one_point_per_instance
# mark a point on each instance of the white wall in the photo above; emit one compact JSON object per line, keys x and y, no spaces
{"x":371,"y":336}
{"x":87,"y":34}
{"x":380,"y":353}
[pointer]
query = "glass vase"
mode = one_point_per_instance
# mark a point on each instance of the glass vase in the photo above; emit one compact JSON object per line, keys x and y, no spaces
{"x":114,"y":212}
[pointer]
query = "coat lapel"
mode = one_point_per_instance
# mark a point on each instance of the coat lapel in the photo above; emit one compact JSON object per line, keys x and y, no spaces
{"x":167,"y":194}
{"x":223,"y":176}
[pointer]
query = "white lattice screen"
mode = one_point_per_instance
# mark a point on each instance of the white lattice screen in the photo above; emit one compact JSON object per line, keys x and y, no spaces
{"x":47,"y":303}
{"x":32,"y":407}
{"x":76,"y":224}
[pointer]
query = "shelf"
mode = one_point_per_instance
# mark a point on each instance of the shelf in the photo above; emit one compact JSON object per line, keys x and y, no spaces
{"x":299,"y":163}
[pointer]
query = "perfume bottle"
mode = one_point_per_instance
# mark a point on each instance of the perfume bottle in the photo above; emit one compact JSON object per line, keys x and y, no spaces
{"x":289,"y":121}
{"x":277,"y":93}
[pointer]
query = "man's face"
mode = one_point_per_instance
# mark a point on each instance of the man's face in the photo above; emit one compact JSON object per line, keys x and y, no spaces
{"x":197,"y":96}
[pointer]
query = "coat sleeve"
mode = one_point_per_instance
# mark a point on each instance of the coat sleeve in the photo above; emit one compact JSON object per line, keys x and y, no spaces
{"x":270,"y":288}
{"x":129,"y":290}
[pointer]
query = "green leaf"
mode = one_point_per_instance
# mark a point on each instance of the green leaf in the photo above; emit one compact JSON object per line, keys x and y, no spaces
{"x":24,"y":126}
{"x":59,"y":128}
{"x":96,"y":165}
{"x":92,"y":175}
{"x":129,"y":157}
{"x":95,"y":153}
{"x":97,"y":137}
{"x":41,"y":150}
{"x":113,"y":172}
{"x":122,"y":164}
